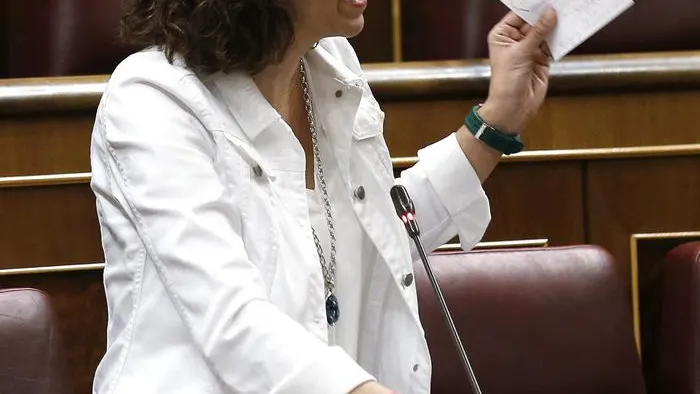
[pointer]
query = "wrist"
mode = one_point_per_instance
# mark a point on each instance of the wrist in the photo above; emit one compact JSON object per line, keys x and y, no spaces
{"x":493,"y":135}
{"x":506,"y":118}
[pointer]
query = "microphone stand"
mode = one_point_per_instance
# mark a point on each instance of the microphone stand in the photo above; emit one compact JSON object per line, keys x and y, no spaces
{"x":406,"y":211}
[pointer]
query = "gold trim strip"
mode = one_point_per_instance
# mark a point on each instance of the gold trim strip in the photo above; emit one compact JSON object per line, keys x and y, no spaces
{"x":396,"y":31}
{"x":51,"y":269}
{"x":668,"y":235}
{"x":528,"y":243}
{"x":405,"y":162}
{"x":634,"y":277}
{"x":45,"y":180}
{"x":490,"y":245}
{"x":584,"y":154}
{"x":449,"y":248}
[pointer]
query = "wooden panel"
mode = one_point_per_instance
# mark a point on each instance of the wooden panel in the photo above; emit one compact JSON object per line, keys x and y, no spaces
{"x":51,"y":220}
{"x":644,"y":195}
{"x":409,"y":126}
{"x":595,"y":102}
{"x":564,"y":122}
{"x":45,"y":144}
{"x":537,"y":200}
{"x":44,"y":225}
{"x":79,"y":300}
{"x":375,"y":43}
{"x":616,"y":120}
{"x":60,"y":144}
{"x":48,"y":225}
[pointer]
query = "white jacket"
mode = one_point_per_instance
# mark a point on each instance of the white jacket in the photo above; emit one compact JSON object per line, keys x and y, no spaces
{"x":212,"y":279}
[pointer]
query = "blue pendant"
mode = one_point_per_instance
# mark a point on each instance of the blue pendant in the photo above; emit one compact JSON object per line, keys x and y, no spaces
{"x":332,"y":309}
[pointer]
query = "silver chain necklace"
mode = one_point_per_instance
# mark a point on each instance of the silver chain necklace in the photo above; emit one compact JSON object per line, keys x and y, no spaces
{"x":332,"y":307}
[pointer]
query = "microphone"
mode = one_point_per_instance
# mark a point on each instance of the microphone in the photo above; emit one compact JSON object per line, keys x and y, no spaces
{"x":407,"y":213}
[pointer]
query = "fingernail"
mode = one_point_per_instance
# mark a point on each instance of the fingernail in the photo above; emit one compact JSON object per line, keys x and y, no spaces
{"x":550,"y":13}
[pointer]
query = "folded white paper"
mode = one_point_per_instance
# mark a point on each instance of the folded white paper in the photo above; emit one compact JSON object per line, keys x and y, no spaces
{"x":577,"y":21}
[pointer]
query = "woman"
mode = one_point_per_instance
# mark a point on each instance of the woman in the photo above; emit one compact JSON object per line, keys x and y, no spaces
{"x":242,"y":185}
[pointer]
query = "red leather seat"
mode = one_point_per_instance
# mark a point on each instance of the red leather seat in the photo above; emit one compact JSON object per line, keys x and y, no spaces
{"x":545,"y":321}
{"x":679,"y":327}
{"x":31,"y":354}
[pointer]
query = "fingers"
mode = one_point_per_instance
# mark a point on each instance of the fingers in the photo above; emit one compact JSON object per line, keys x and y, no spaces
{"x":544,"y":47}
{"x":512,"y":33}
{"x":509,"y":27}
{"x":512,"y":20}
{"x":542,"y":58}
{"x":536,"y":35}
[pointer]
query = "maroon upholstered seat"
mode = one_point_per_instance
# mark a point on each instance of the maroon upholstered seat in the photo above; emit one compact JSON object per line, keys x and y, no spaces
{"x":546,"y":321}
{"x":31,"y":357}
{"x":679,"y":328}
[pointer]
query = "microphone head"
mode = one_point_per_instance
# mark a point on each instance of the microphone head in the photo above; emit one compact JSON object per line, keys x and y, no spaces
{"x":402,"y":201}
{"x":405,"y":209}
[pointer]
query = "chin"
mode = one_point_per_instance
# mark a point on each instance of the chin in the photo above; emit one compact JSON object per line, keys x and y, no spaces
{"x":353,"y":28}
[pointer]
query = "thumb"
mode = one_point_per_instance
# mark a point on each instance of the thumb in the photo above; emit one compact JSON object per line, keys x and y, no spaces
{"x":541,"y":30}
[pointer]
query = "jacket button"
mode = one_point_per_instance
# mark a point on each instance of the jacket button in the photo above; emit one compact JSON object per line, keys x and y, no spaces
{"x":407,"y":280}
{"x":257,"y":171}
{"x":415,"y":367}
{"x":360,"y":192}
{"x":338,"y":93}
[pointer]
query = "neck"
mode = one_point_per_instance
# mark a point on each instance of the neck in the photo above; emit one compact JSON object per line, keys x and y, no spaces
{"x":280,"y":83}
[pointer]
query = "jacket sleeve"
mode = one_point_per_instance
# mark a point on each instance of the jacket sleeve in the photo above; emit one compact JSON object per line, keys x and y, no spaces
{"x":448,"y":196}
{"x":161,"y":161}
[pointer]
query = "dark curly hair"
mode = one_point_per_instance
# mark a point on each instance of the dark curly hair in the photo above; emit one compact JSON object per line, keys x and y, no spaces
{"x":212,"y":35}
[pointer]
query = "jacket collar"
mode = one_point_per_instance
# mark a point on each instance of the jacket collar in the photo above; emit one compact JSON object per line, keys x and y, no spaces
{"x":322,"y":63}
{"x":254,"y":113}
{"x":337,"y":93}
{"x":250,"y":109}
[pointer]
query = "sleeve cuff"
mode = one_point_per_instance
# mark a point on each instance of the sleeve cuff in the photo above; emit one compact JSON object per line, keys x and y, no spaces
{"x":335,"y":372}
{"x":451,"y":174}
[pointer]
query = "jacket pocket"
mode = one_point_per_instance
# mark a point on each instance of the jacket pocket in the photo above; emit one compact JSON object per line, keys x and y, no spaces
{"x":368,"y":135}
{"x":251,"y":186}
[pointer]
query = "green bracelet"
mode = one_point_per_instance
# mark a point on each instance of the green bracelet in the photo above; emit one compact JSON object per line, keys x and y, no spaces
{"x":502,"y":142}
